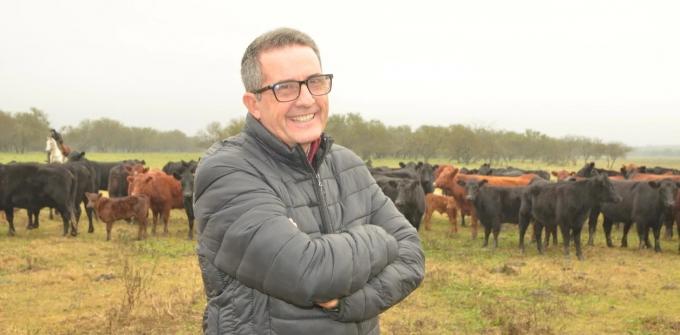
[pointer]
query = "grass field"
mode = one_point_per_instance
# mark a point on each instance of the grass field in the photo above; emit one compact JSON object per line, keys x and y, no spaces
{"x":51,"y":284}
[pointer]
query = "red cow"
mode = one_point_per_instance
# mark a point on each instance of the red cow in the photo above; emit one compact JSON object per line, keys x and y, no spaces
{"x":164,"y":192}
{"x":444,"y":181}
{"x":441,"y":204}
{"x":112,"y":209}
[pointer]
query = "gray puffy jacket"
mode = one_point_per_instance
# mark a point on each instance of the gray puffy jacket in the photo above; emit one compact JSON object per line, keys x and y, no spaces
{"x":277,"y":236}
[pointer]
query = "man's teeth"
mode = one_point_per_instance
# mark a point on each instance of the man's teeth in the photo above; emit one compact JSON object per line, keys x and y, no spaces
{"x":303,"y":118}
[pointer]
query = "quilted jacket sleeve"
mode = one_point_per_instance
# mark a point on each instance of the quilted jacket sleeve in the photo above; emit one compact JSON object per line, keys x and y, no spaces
{"x":398,"y":279}
{"x":250,"y":238}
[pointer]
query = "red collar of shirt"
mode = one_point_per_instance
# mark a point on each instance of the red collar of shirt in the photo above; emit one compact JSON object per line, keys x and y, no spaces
{"x":313,"y":148}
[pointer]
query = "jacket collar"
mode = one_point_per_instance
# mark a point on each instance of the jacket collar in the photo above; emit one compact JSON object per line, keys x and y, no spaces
{"x":280,"y":151}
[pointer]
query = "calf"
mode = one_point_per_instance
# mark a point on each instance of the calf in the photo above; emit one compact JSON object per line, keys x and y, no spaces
{"x":110,"y":210}
{"x":494,"y":205}
{"x":441,"y":204}
{"x":567,"y":205}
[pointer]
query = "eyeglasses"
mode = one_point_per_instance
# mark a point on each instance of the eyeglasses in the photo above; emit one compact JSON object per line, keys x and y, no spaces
{"x":289,"y":90}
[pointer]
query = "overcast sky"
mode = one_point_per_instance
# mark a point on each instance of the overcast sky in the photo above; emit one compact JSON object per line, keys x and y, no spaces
{"x":604,"y":69}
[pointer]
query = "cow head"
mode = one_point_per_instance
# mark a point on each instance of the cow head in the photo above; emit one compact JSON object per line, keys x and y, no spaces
{"x":605,"y":189}
{"x":667,"y":191}
{"x":472,"y":187}
{"x":186,"y":179}
{"x":92,"y":199}
{"x":137,"y":183}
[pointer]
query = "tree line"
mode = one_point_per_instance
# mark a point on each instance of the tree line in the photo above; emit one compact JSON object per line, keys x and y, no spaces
{"x":26,"y":131}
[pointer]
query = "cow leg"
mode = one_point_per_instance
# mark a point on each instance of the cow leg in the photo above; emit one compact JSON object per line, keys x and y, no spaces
{"x":487,"y":232}
{"x":538,"y":227}
{"x":155,"y":215}
{"x":607,"y":226}
{"x":647,"y":243}
{"x":657,"y":235}
{"x":523,"y":225}
{"x":577,"y":243}
{"x":109,"y":226}
{"x":166,"y":218}
{"x":51,"y":211}
{"x":90,"y":213}
{"x":462,"y":219}
{"x":496,"y":231}
{"x":453,"y":220}
{"x":474,"y":226}
{"x":9,"y":215}
{"x":641,"y":234}
{"x":566,"y":235}
{"x":592,"y":225}
{"x":427,"y":218}
{"x":141,"y":222}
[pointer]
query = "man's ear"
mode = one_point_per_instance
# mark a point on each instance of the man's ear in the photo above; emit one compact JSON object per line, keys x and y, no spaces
{"x":250,"y":101}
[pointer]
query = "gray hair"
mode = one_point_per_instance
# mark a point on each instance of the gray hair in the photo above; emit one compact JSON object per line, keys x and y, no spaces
{"x":251,"y":72}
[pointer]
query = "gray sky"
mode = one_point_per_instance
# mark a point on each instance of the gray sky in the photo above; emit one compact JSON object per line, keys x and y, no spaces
{"x":605,"y":69}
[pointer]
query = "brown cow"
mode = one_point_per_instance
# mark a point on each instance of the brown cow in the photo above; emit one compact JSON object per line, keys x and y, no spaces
{"x":164,"y":192}
{"x":442,"y":204}
{"x":112,"y":209}
{"x":443,"y":181}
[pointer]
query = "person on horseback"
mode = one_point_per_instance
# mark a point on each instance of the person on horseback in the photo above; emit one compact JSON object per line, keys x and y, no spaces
{"x":65,"y":149}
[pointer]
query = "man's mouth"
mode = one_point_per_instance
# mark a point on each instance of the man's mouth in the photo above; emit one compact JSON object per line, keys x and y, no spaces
{"x":303,"y":118}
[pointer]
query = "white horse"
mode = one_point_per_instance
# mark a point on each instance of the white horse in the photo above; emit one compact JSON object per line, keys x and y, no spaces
{"x":54,"y":155}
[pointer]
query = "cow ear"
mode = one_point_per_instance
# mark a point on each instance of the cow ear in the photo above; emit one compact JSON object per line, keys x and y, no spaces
{"x":654,"y":184}
{"x":99,"y":195}
{"x":145,"y":170}
{"x":554,"y":173}
{"x":143,"y":162}
{"x":402,"y":165}
{"x":483,"y":182}
{"x":148,"y":179}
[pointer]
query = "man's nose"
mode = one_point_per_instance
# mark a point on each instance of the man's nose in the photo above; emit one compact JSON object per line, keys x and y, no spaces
{"x":306,"y":98}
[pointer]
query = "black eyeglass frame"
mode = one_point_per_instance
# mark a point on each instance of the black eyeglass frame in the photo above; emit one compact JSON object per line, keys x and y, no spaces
{"x":299,"y":82}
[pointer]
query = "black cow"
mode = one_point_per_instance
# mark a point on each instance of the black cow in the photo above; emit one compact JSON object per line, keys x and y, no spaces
{"x":510,"y":171}
{"x":652,"y":200}
{"x":423,"y":173}
{"x":494,"y":205}
{"x":186,"y":179}
{"x":170,"y":168}
{"x":407,"y":195}
{"x":567,"y":204}
{"x":34,"y":186}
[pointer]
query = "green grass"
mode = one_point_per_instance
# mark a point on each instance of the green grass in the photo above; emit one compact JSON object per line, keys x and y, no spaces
{"x":51,"y":284}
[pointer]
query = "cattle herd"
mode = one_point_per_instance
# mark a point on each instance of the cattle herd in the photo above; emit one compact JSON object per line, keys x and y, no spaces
{"x":648,"y":197}
{"x":132,"y":188}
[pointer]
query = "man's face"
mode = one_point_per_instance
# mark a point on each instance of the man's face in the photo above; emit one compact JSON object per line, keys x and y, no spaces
{"x":300,"y":121}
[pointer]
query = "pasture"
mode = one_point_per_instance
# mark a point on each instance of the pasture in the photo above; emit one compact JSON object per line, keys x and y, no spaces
{"x":51,"y":284}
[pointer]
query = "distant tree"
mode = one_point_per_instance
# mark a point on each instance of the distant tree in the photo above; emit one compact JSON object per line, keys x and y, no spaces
{"x":614,"y":151}
{"x":31,"y":130}
{"x":7,"y":131}
{"x":214,"y":131}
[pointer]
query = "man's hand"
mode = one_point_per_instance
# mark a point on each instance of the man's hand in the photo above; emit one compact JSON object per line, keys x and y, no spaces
{"x":330,"y":304}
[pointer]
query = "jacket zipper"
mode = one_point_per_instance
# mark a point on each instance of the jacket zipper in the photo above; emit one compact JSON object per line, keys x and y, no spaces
{"x":317,"y":185}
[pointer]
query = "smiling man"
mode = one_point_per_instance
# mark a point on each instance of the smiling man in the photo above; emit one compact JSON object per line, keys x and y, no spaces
{"x":295,"y":235}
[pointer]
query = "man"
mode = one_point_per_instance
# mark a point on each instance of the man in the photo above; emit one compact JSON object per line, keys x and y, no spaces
{"x":295,"y":236}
